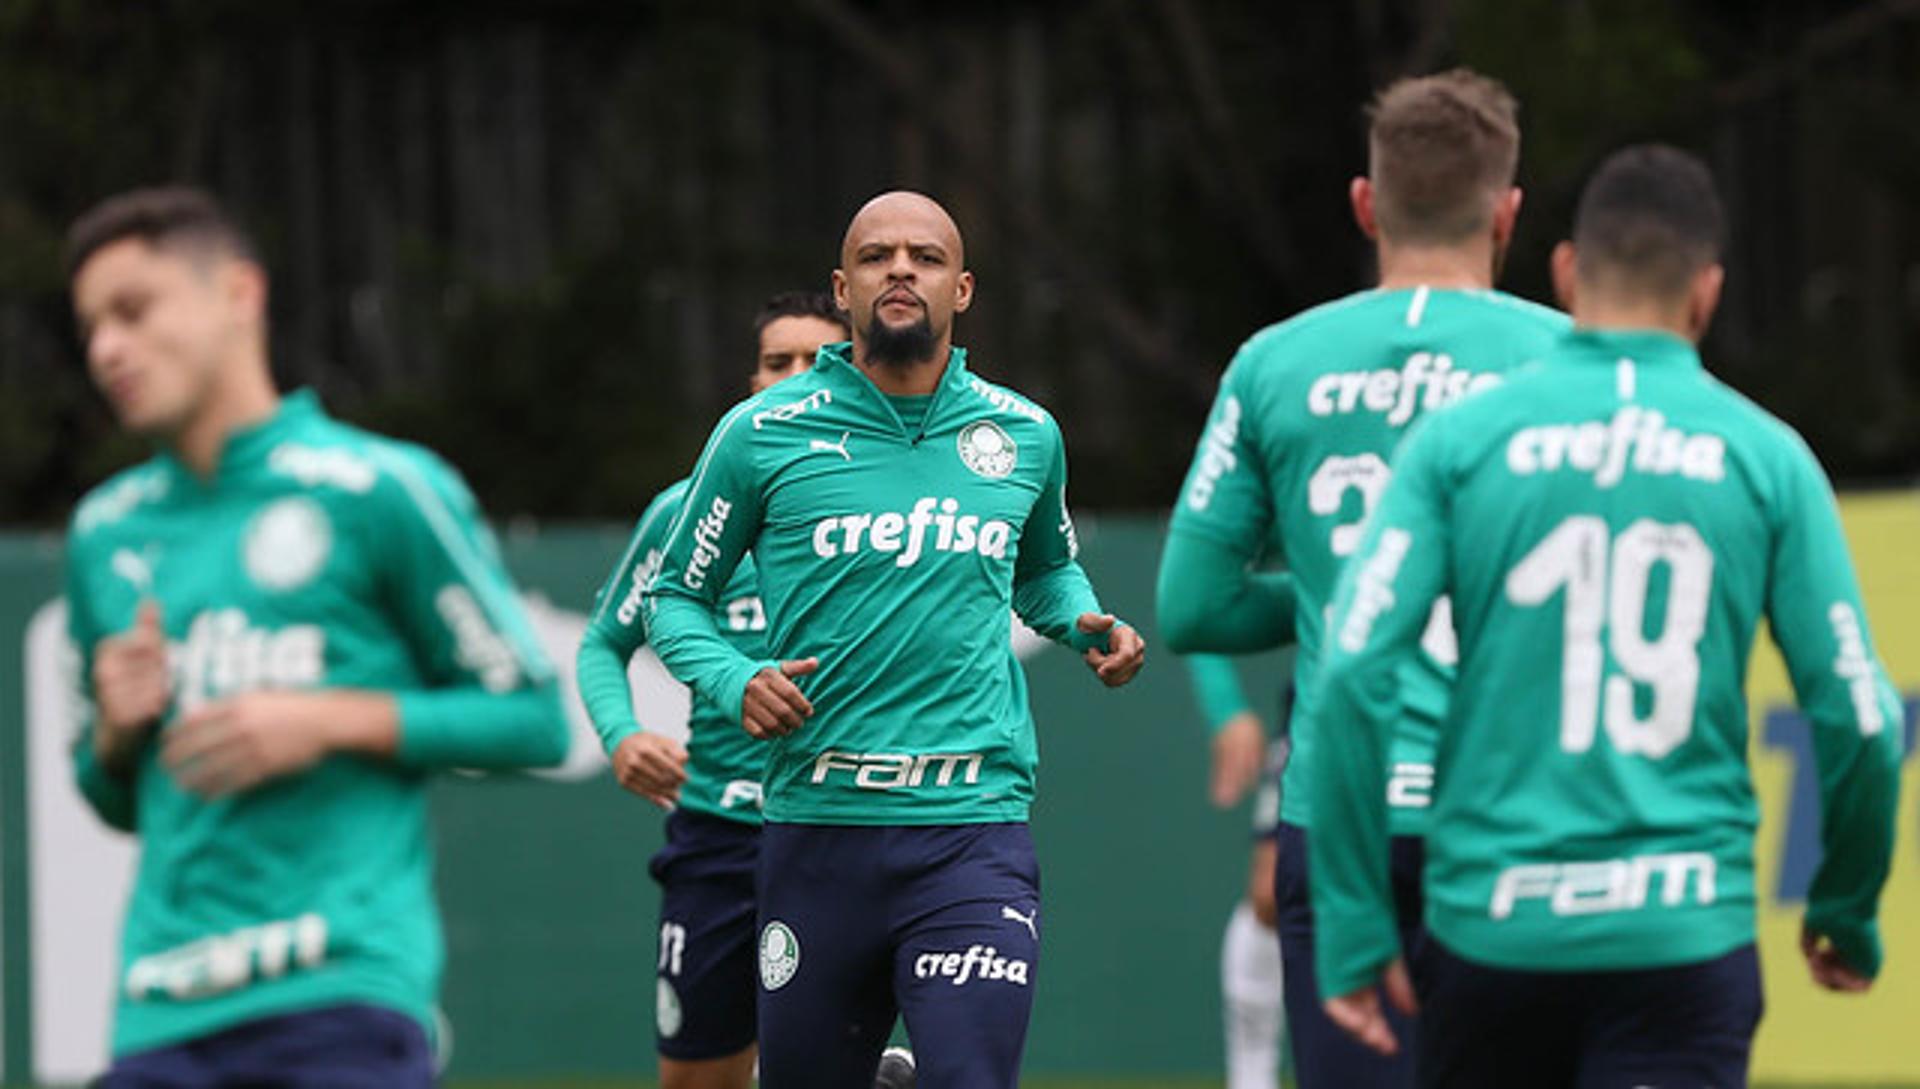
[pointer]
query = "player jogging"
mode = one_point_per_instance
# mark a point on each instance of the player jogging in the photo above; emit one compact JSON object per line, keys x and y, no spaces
{"x":896,"y":506}
{"x":283,"y":624}
{"x":1307,"y":417}
{"x":706,"y":987}
{"x":1612,"y":525}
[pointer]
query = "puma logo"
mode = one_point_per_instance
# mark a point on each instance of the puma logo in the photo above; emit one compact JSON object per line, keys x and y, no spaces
{"x":1026,"y":919}
{"x":835,"y":447}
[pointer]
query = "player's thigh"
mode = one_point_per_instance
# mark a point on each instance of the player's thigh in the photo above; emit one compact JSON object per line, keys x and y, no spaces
{"x":966,"y":954}
{"x":1490,"y":1028}
{"x":337,"y":1047}
{"x":176,"y":1067}
{"x":824,"y":964}
{"x":729,"y":1072}
{"x":1324,"y":1056}
{"x":706,"y":985}
{"x":1686,"y":1025}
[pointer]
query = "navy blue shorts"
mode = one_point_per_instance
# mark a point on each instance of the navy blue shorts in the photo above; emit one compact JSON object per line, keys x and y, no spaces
{"x":1324,"y":1056}
{"x":940,"y":925}
{"x":339,"y":1047}
{"x":1686,"y":1027}
{"x":704,"y":994}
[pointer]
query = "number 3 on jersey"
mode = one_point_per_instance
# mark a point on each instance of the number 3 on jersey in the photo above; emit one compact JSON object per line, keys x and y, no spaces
{"x":1327,"y":490}
{"x":1611,"y":594}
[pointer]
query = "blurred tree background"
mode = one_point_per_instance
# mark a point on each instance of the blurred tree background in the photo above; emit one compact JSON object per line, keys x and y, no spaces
{"x":532,"y":235}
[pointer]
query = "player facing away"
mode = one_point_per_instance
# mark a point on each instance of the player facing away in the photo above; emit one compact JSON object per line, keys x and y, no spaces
{"x":284,"y":625}
{"x":1308,"y":415}
{"x":1251,"y":986}
{"x":896,"y":506}
{"x":1611,"y":525}
{"x":706,"y":987}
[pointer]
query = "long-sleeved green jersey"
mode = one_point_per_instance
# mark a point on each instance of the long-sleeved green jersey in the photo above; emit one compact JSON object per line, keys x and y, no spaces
{"x":1308,"y":415}
{"x":723,"y":761}
{"x":317,"y":556}
{"x":1612,"y":526}
{"x":891,"y":552}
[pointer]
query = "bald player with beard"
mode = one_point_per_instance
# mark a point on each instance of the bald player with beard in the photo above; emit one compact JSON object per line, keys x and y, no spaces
{"x":897,"y":506}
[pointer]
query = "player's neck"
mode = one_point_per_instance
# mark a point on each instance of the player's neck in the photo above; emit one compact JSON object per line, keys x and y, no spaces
{"x":1460,"y":268}
{"x":244,"y":397}
{"x":1606,"y":315}
{"x":917,"y":378}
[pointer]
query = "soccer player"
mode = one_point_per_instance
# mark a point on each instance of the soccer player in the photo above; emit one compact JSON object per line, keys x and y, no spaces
{"x":896,"y":506}
{"x":1250,"y":978}
{"x":284,"y":625}
{"x":1307,"y":417}
{"x":706,"y":988}
{"x":1612,"y":525}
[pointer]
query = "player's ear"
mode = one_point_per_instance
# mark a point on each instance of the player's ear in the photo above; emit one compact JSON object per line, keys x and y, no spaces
{"x":243,"y":285}
{"x":1565,"y":275}
{"x":1703,"y":298}
{"x":962,"y":292}
{"x":1506,"y":213}
{"x":1360,"y":192}
{"x":840,"y":292}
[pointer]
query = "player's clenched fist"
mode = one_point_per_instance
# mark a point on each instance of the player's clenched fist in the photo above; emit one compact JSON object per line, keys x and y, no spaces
{"x":1126,"y":652}
{"x":774,"y":706}
{"x":651,"y":766}
{"x":131,"y":688}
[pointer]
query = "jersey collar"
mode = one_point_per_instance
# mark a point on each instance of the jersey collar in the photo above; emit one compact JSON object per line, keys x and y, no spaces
{"x":247,"y":448}
{"x":1645,"y":347}
{"x":835,"y":362}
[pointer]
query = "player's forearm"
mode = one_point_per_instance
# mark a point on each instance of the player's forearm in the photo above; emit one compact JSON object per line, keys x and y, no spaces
{"x":1051,"y":603}
{"x":601,"y":670}
{"x":683,"y":633}
{"x":111,"y":796}
{"x":1209,"y":600}
{"x":1349,"y":861}
{"x":1860,"y":793}
{"x":1217,"y":688}
{"x":474,"y":728}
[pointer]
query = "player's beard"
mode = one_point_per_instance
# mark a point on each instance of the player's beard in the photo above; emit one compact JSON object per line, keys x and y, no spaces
{"x":903,"y":346}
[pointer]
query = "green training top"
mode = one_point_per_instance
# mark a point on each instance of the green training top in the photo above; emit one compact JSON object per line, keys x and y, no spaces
{"x":1307,"y":417}
{"x":724,"y":762}
{"x":1612,"y":526}
{"x":892,"y":554}
{"x":317,"y":556}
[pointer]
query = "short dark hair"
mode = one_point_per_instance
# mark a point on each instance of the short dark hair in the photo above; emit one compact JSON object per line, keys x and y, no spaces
{"x":161,"y":217}
{"x":801,"y":304}
{"x":1438,"y":148}
{"x":1648,"y":220}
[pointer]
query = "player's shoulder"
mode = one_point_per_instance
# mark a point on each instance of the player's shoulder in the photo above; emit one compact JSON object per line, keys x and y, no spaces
{"x":119,"y":497}
{"x":1523,"y":313}
{"x":1299,"y":339}
{"x":1007,"y":406}
{"x":666,"y":503}
{"x":373,"y":474}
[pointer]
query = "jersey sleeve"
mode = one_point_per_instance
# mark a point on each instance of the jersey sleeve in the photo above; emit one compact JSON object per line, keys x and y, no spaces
{"x":1050,"y":590}
{"x":1815,"y":614}
{"x":110,"y":796}
{"x":714,"y":530}
{"x":1209,"y":596}
{"x":1380,"y":609}
{"x":1217,"y":688}
{"x":491,"y":699}
{"x":615,"y":631}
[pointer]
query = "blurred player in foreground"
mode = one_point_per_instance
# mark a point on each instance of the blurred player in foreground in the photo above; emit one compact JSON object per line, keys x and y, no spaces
{"x":284,"y":624}
{"x":1251,"y":987}
{"x":1612,"y":526}
{"x":706,"y":990}
{"x":896,"y":506}
{"x":1307,"y":417}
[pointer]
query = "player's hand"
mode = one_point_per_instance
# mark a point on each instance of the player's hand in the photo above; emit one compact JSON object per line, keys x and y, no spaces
{"x":1826,"y":967}
{"x":774,"y":706}
{"x":235,"y":744}
{"x":1239,"y":757}
{"x":1126,"y":652}
{"x":651,"y":766}
{"x":1362,"y":1016}
{"x":131,"y":687}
